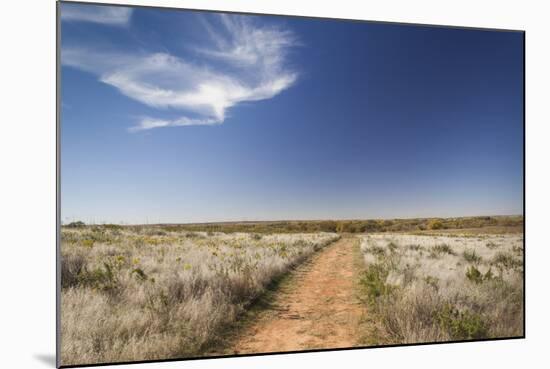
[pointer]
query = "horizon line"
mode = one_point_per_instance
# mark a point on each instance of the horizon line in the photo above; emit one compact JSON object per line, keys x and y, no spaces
{"x":294,"y":220}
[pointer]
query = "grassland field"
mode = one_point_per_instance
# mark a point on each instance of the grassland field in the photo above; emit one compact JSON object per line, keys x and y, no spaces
{"x":169,"y":291}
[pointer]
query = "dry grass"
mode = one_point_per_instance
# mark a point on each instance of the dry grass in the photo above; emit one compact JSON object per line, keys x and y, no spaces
{"x":142,"y":293}
{"x":441,"y":288}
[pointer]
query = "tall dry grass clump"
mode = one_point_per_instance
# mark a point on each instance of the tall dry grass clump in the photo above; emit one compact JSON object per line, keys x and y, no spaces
{"x":143,"y":293}
{"x":438,"y":288}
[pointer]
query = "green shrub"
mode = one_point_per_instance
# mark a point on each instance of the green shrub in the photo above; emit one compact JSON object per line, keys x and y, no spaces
{"x":88,"y":243}
{"x":488,"y":275}
{"x":415,"y":247}
{"x":506,"y":261}
{"x":432,"y":282}
{"x":104,"y":278}
{"x":71,"y":267}
{"x":471,"y":257}
{"x":462,"y":325}
{"x":373,"y":282}
{"x":474,"y":275}
{"x":437,"y":250}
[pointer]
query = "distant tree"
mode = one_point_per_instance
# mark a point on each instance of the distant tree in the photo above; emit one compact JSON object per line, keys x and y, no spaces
{"x":76,"y":224}
{"x":328,"y":226}
{"x":435,"y":224}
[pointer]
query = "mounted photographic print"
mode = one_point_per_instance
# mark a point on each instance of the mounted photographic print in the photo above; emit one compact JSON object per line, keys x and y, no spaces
{"x":239,"y":184}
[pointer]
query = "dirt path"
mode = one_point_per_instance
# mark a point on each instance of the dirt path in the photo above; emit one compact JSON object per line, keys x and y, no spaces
{"x":316,"y":308}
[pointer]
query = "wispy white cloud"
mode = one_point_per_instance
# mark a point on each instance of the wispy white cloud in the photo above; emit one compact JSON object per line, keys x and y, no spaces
{"x":111,"y":15}
{"x":150,"y":123}
{"x":244,"y":62}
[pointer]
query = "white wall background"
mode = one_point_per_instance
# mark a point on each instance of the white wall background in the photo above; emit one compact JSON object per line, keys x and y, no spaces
{"x":27,"y":182}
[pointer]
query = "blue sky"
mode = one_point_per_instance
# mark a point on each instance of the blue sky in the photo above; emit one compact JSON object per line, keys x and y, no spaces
{"x":179,"y":116}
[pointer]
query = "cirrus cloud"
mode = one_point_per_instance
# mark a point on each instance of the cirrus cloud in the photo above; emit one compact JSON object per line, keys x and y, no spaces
{"x":242,"y":63}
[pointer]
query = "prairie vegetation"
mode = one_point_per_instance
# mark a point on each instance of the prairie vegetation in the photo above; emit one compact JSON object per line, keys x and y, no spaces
{"x":172,"y":291}
{"x":142,"y":293}
{"x":424,"y":288}
{"x":490,"y":224}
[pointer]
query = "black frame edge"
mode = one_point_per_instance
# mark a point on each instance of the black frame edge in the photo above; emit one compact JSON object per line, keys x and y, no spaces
{"x":58,"y":184}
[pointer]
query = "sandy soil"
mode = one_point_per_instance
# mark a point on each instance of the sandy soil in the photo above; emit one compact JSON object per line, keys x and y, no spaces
{"x":316,"y":308}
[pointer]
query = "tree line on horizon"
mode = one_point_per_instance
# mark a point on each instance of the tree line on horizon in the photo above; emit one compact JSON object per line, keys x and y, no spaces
{"x":335,"y":226}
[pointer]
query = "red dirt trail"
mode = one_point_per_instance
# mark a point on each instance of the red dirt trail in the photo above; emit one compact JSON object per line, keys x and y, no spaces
{"x":316,"y":308}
